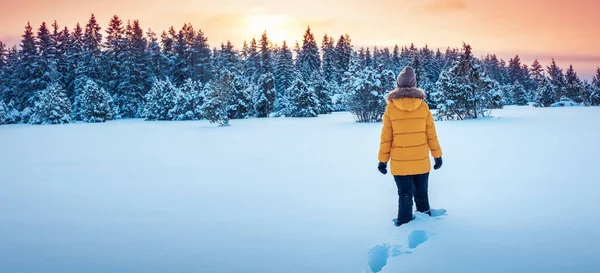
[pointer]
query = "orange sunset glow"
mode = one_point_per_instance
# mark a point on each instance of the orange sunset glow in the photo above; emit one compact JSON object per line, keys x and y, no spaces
{"x":565,"y":30}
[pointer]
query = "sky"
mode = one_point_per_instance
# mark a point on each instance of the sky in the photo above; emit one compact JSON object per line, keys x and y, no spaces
{"x":567,"y":30}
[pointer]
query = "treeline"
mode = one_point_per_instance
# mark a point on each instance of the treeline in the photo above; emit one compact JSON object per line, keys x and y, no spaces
{"x":58,"y":75}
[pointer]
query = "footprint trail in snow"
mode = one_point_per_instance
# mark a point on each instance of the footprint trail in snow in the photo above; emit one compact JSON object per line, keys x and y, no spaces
{"x":379,"y":254}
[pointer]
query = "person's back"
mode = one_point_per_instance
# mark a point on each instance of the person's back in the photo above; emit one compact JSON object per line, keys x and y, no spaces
{"x":407,"y":137}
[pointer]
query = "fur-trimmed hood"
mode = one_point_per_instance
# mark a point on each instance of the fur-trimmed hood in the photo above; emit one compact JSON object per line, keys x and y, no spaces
{"x":407,"y":98}
{"x":406,"y":92}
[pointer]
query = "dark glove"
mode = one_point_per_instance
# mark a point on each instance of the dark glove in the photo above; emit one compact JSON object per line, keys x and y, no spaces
{"x":382,"y":167}
{"x":438,"y":163}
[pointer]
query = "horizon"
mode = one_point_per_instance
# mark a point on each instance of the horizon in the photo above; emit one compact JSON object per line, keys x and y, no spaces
{"x":484,"y":26}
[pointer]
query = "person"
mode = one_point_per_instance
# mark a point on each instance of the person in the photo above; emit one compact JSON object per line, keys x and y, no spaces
{"x":408,"y":136}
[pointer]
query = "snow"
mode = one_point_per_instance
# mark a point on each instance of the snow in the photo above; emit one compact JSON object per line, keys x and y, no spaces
{"x":565,"y":102}
{"x":298,"y":195}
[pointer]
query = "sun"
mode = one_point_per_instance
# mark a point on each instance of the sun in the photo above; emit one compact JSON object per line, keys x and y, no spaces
{"x":275,"y":25}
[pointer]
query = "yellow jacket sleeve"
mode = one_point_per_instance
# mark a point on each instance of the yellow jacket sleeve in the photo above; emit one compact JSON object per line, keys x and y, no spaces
{"x":387,"y":135}
{"x":432,"y":140}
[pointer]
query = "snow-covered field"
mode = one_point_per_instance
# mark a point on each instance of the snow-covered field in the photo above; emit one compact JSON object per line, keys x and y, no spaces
{"x":522,"y":191}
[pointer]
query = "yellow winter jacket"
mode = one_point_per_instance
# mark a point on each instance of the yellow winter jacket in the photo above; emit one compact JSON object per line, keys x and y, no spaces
{"x":408,"y":133}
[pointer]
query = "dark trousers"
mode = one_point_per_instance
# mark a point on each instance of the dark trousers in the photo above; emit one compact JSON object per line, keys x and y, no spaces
{"x":407,"y":186}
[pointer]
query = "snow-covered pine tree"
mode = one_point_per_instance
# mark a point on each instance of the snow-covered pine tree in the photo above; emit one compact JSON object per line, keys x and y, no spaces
{"x":241,"y":99}
{"x":337,"y":97}
{"x":4,"y":69}
{"x":27,"y":72}
{"x":546,"y":94}
{"x":297,"y":50}
{"x":275,"y":48}
{"x":503,"y":69}
{"x":496,"y":69}
{"x":216,"y":58}
{"x":161,"y":101}
{"x":417,"y":65}
{"x":507,"y":95}
{"x":266,"y":56}
{"x":385,"y":80}
{"x":10,"y":80}
{"x":91,"y":57}
{"x":244,"y":53}
{"x":282,"y":105}
{"x":377,"y":60}
{"x":407,"y":56}
{"x":445,"y":96}
{"x":430,"y":70}
{"x":157,"y":60}
{"x":309,"y":59}
{"x":52,"y":106}
{"x":251,"y":62}
{"x":429,"y":87}
{"x":284,"y":76}
{"x":439,"y":58}
{"x":595,"y":96}
{"x":518,"y":94}
{"x":385,"y":58}
{"x":201,"y":58}
{"x":494,"y":95}
{"x":536,"y":78}
{"x":167,"y":41}
{"x":451,"y":55}
{"x":368,"y":58}
{"x":228,"y":58}
{"x":574,"y":88}
{"x":218,"y":96}
{"x":61,"y":39}
{"x":587,"y":92}
{"x":3,"y":114}
{"x":3,"y":53}
{"x":78,"y":87}
{"x":396,"y":59}
{"x":557,"y":79}
{"x":12,"y":114}
{"x":55,"y":41}
{"x":529,"y":84}
{"x":350,"y":75}
{"x":47,"y":57}
{"x":328,"y":49}
{"x":459,"y":96}
{"x":93,"y":104}
{"x":73,"y":56}
{"x":303,"y":101}
{"x":190,"y":101}
{"x":182,"y":48}
{"x":365,"y":99}
{"x":321,"y":89}
{"x":113,"y":54}
{"x":264,"y":98}
{"x":136,"y":80}
{"x":343,"y":54}
{"x":251,"y":88}
{"x":515,"y":73}
{"x":537,"y":72}
{"x":360,"y":57}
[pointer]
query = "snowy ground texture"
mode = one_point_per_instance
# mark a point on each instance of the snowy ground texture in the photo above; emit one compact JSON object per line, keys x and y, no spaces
{"x":521,"y":191}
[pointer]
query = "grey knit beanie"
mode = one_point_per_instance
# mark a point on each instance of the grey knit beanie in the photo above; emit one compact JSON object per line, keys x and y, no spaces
{"x":407,"y":78}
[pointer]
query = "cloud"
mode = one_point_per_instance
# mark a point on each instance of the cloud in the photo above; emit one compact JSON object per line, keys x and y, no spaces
{"x":446,"y":5}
